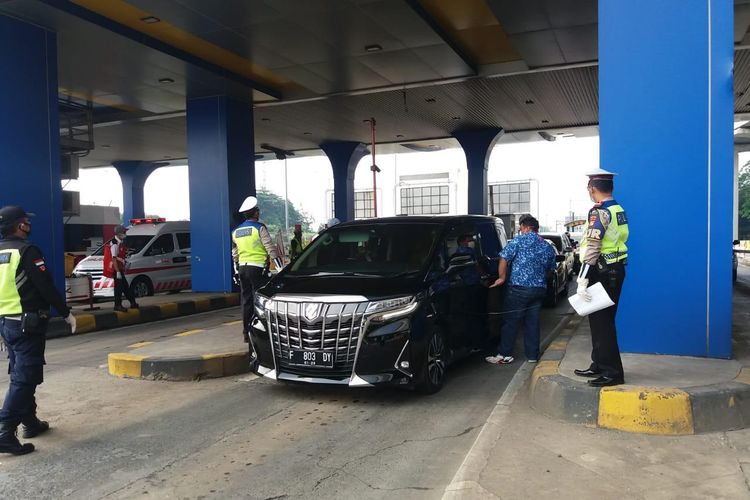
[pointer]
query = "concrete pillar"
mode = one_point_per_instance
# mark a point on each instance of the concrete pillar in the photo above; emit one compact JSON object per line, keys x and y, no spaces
{"x":676,"y":187}
{"x":133,"y":175}
{"x":477,"y":146}
{"x":30,"y":134}
{"x":344,"y":158}
{"x":221,"y":167}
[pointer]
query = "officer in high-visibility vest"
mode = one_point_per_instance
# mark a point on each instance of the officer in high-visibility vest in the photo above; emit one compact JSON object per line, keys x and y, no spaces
{"x":251,"y":248}
{"x":26,"y":294}
{"x":604,"y":255}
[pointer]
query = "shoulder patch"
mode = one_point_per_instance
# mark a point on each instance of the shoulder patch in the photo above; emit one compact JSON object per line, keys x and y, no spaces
{"x":5,"y":258}
{"x":622,"y":218}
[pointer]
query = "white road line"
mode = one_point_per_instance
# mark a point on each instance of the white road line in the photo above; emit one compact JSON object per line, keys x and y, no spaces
{"x":249,"y":378}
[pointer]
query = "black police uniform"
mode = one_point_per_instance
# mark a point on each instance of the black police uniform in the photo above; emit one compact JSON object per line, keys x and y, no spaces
{"x":25,"y":335}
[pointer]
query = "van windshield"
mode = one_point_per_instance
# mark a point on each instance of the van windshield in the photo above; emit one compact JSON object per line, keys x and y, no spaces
{"x":378,"y":250}
{"x":136,"y":243}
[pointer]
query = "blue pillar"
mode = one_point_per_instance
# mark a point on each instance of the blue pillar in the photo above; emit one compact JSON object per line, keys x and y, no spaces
{"x":29,"y":134}
{"x":344,"y":158}
{"x":477,"y":146}
{"x":133,"y":175}
{"x":221,"y":167}
{"x":661,"y":64}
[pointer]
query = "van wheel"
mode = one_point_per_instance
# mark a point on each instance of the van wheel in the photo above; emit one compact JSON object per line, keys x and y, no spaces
{"x":435,"y":364}
{"x":141,"y":287}
{"x":554,"y":297}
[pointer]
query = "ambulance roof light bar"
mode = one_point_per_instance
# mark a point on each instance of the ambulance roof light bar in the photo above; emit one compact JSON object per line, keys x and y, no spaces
{"x":148,"y":220}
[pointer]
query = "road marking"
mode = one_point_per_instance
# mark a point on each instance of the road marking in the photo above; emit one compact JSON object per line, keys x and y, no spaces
{"x":190,"y":332}
{"x":235,"y":322}
{"x":139,"y":344}
{"x":249,"y":378}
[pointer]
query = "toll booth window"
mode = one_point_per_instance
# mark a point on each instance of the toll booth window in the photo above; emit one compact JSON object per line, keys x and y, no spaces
{"x":428,"y":200}
{"x":363,"y":208}
{"x":509,"y":198}
{"x":183,"y":240}
{"x":164,"y":244}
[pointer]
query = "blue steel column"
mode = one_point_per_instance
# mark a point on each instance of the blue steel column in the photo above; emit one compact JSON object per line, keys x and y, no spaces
{"x":221,"y":166}
{"x":30,"y":133}
{"x":477,"y":146}
{"x":661,"y":64}
{"x":344,"y":158}
{"x":133,"y":175}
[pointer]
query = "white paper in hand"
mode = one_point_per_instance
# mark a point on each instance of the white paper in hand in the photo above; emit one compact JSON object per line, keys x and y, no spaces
{"x":599,"y":300}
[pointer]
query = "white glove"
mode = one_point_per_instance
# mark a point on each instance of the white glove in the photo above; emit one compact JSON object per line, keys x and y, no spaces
{"x":278,"y":264}
{"x":583,"y":284}
{"x":71,"y":320}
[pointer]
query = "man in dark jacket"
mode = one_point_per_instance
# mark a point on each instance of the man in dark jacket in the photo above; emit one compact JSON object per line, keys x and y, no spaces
{"x":26,"y":294}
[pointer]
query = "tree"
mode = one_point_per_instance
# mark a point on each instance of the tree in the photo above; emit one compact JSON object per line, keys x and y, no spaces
{"x":272,"y":212}
{"x":744,"y":191}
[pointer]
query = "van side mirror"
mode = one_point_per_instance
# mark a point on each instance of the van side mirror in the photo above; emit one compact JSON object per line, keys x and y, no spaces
{"x":735,"y":242}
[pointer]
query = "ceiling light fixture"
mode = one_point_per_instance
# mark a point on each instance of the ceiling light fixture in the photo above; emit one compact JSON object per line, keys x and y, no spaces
{"x":150,"y":19}
{"x":456,"y":118}
{"x":166,"y":80}
{"x":307,"y":133}
{"x":373,"y":48}
{"x":545,"y":121}
{"x":105,"y":146}
{"x":398,"y":136}
{"x":265,"y":119}
{"x":529,"y":101}
{"x":430,"y":99}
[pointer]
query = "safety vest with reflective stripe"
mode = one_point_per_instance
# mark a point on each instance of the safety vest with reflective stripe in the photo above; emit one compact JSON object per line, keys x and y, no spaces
{"x":250,"y":248}
{"x":614,"y":247}
{"x":10,"y":300}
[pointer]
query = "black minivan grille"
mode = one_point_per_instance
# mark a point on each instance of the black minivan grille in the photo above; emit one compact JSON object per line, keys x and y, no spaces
{"x":316,"y":326}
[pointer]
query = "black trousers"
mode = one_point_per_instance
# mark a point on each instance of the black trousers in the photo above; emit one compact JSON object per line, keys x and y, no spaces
{"x":121,"y":287}
{"x":605,"y":353}
{"x":251,"y":277}
{"x":25,"y":367}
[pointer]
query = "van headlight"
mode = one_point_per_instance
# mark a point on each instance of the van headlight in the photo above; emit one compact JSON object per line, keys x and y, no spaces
{"x":262,"y":303}
{"x":390,"y":309}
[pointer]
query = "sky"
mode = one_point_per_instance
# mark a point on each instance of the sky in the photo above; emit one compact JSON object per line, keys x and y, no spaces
{"x":558,"y":166}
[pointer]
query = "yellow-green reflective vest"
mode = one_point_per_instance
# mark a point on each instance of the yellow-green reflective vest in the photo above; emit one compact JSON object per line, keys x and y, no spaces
{"x":10,"y":300}
{"x":250,"y":248}
{"x":614,"y":247}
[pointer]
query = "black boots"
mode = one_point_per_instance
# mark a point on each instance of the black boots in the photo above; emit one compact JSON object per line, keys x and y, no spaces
{"x":32,"y":427}
{"x":9,"y":442}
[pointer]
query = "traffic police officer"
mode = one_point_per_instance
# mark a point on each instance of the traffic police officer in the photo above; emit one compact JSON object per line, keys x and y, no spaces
{"x":251,"y":247}
{"x":26,"y":294}
{"x":604,"y":254}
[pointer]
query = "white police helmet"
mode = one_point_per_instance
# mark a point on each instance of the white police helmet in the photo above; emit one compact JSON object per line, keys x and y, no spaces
{"x":332,"y":222}
{"x":249,"y":203}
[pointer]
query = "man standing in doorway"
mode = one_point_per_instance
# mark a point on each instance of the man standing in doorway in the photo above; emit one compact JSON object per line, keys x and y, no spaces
{"x":251,"y":248}
{"x":26,"y":294}
{"x":114,"y":266}
{"x":604,"y":254}
{"x":531,"y":257}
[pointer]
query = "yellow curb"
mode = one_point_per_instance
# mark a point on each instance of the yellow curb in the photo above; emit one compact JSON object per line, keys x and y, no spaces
{"x":139,"y":344}
{"x":189,"y":332}
{"x":202,"y":305}
{"x":85,"y":323}
{"x":232,"y":323}
{"x":128,"y":318}
{"x":123,"y":364}
{"x":168,"y":310}
{"x":558,"y":345}
{"x":743,"y":377}
{"x":233,"y":300}
{"x":544,"y":368}
{"x":646,"y":410}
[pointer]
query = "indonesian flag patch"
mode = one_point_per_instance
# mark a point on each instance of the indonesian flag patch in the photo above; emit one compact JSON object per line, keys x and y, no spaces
{"x":40,"y":265}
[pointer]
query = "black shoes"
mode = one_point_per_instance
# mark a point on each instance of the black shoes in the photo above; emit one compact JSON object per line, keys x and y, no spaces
{"x":9,"y":442}
{"x":133,"y":305}
{"x":121,"y":309}
{"x":33,"y":427}
{"x":605,"y":381}
{"x":588,"y":372}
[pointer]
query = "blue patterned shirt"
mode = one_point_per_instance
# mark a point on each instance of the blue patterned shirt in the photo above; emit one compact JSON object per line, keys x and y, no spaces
{"x":530,"y":257}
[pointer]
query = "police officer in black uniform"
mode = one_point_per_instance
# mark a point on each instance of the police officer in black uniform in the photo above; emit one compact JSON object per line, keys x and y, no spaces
{"x":26,"y":294}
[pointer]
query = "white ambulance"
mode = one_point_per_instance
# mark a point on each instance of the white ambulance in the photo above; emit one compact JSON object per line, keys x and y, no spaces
{"x":158,"y":259}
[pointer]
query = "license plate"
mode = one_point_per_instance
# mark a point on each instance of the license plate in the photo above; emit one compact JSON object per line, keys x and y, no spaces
{"x":311,"y":358}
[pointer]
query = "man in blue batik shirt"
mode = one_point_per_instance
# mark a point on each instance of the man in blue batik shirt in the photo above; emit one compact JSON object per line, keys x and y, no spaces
{"x":531,"y":257}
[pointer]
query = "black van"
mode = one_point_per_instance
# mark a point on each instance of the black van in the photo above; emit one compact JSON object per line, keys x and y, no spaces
{"x":381,"y":301}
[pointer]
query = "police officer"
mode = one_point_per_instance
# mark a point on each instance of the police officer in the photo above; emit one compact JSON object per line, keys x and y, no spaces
{"x":251,"y":247}
{"x":604,"y":254}
{"x":26,"y":294}
{"x":116,"y":261}
{"x":296,"y":245}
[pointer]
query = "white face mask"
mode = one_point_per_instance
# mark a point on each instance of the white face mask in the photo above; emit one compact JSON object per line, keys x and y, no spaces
{"x":591,"y":194}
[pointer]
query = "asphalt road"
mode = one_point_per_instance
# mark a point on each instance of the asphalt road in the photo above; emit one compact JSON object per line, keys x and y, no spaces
{"x":242,"y":437}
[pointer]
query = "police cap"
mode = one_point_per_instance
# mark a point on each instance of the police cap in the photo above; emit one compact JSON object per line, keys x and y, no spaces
{"x":121,"y":230}
{"x":12,"y":213}
{"x":600,"y":173}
